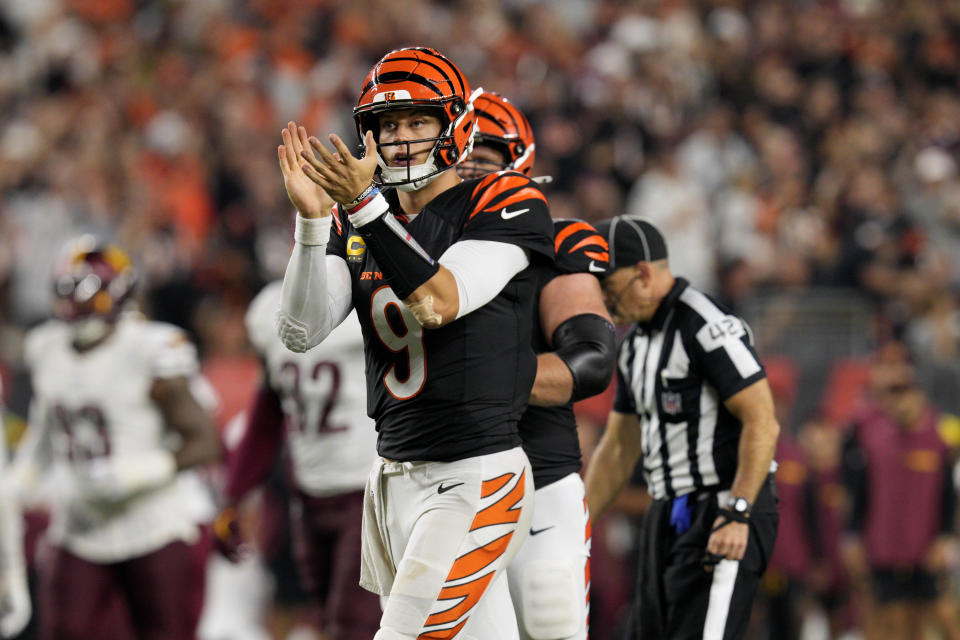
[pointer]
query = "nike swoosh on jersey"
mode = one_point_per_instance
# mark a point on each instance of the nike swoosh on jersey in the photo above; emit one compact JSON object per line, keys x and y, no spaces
{"x":534,"y":532}
{"x":595,"y":268}
{"x":506,"y":215}
{"x":444,"y":489}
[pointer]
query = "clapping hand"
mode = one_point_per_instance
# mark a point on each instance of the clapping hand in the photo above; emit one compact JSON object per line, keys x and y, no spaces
{"x":307,"y":196}
{"x":340,"y":174}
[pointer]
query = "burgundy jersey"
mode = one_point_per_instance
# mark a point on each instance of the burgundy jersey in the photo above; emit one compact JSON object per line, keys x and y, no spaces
{"x":907,"y":485}
{"x":831,"y":505}
{"x":457,"y":391}
{"x":793,"y":551}
{"x":549,"y":434}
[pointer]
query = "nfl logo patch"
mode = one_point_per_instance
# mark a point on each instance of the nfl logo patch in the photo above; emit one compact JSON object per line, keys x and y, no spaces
{"x":672,"y":402}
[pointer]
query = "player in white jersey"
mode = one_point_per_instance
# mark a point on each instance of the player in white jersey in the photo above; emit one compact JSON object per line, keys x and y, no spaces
{"x":115,"y":414}
{"x":320,"y":396}
{"x":14,"y":594}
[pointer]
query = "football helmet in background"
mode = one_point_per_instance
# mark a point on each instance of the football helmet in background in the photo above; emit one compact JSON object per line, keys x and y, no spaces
{"x":92,"y":282}
{"x":502,"y":127}
{"x":419,"y":78}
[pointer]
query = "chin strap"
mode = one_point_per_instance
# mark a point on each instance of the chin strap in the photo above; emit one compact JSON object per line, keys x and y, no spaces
{"x":391,"y":176}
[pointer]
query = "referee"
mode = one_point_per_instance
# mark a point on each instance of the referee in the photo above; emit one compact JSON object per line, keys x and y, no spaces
{"x":693,"y":399}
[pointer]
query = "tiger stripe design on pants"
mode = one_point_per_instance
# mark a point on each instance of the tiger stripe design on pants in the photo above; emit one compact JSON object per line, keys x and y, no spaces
{"x":448,"y":531}
{"x":549,"y":579}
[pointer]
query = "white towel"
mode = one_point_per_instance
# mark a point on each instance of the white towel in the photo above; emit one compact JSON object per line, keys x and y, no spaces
{"x":377,"y":570}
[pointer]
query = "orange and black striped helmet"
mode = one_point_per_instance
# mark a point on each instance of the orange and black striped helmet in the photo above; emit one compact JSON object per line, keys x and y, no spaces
{"x":92,"y":277}
{"x":412,"y":78}
{"x":502,"y":126}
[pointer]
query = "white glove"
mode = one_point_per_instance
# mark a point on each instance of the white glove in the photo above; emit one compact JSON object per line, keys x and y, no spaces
{"x":119,"y":477}
{"x":14,"y":603}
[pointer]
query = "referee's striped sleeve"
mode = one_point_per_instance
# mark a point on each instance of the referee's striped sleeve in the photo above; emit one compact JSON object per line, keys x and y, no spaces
{"x":723,"y":346}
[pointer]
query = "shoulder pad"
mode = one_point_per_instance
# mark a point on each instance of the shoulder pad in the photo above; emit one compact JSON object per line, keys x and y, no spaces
{"x":500,"y":191}
{"x":38,"y":341}
{"x":580,"y":248}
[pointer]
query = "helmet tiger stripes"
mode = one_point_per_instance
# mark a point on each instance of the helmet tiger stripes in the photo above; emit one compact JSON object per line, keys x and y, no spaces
{"x":504,"y":128}
{"x":419,"y":78}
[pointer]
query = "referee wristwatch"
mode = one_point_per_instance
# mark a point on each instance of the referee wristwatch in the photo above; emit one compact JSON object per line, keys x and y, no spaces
{"x":739,"y":505}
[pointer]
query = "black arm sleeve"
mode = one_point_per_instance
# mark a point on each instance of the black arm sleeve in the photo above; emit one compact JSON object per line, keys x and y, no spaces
{"x":948,"y":500}
{"x":855,"y":481}
{"x":586,"y":343}
{"x":405,"y":264}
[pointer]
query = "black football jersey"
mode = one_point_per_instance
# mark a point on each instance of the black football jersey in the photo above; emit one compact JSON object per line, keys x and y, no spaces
{"x":549,"y":434}
{"x":457,"y":391}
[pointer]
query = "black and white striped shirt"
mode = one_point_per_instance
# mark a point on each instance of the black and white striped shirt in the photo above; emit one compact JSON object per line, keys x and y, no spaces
{"x":675,"y":372}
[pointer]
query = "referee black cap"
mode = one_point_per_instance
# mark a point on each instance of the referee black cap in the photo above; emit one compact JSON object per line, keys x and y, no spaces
{"x":632,"y":239}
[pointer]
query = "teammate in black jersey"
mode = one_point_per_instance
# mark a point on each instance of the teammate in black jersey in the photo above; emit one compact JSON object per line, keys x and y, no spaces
{"x":443,"y":274}
{"x":550,"y":577}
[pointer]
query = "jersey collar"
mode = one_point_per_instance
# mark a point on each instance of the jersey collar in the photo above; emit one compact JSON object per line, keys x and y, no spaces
{"x":393,"y":200}
{"x":669,"y":300}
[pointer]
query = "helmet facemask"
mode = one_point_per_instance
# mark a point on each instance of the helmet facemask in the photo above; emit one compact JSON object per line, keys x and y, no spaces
{"x":442,"y":156}
{"x":481,"y":161}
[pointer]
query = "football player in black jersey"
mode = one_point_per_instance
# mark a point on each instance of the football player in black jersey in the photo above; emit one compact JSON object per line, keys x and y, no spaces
{"x":443,"y":274}
{"x":574,"y":337}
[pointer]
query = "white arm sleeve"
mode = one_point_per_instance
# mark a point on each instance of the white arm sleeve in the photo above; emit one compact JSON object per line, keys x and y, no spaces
{"x":482,"y":268}
{"x":34,"y":454}
{"x":14,"y":595}
{"x":11,"y":554}
{"x":12,"y":562}
{"x":315,"y":297}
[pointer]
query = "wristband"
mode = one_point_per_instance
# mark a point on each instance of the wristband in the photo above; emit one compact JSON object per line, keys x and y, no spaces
{"x":357,"y":207}
{"x":733,"y":516}
{"x":312,"y":231}
{"x":360,"y":198}
{"x":373,"y":207}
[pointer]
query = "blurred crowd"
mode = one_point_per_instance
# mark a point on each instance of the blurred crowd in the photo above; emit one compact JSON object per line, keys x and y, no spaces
{"x":780,"y":145}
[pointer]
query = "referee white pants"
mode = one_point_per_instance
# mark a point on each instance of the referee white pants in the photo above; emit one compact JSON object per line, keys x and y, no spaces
{"x":550,"y":577}
{"x":437,"y":538}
